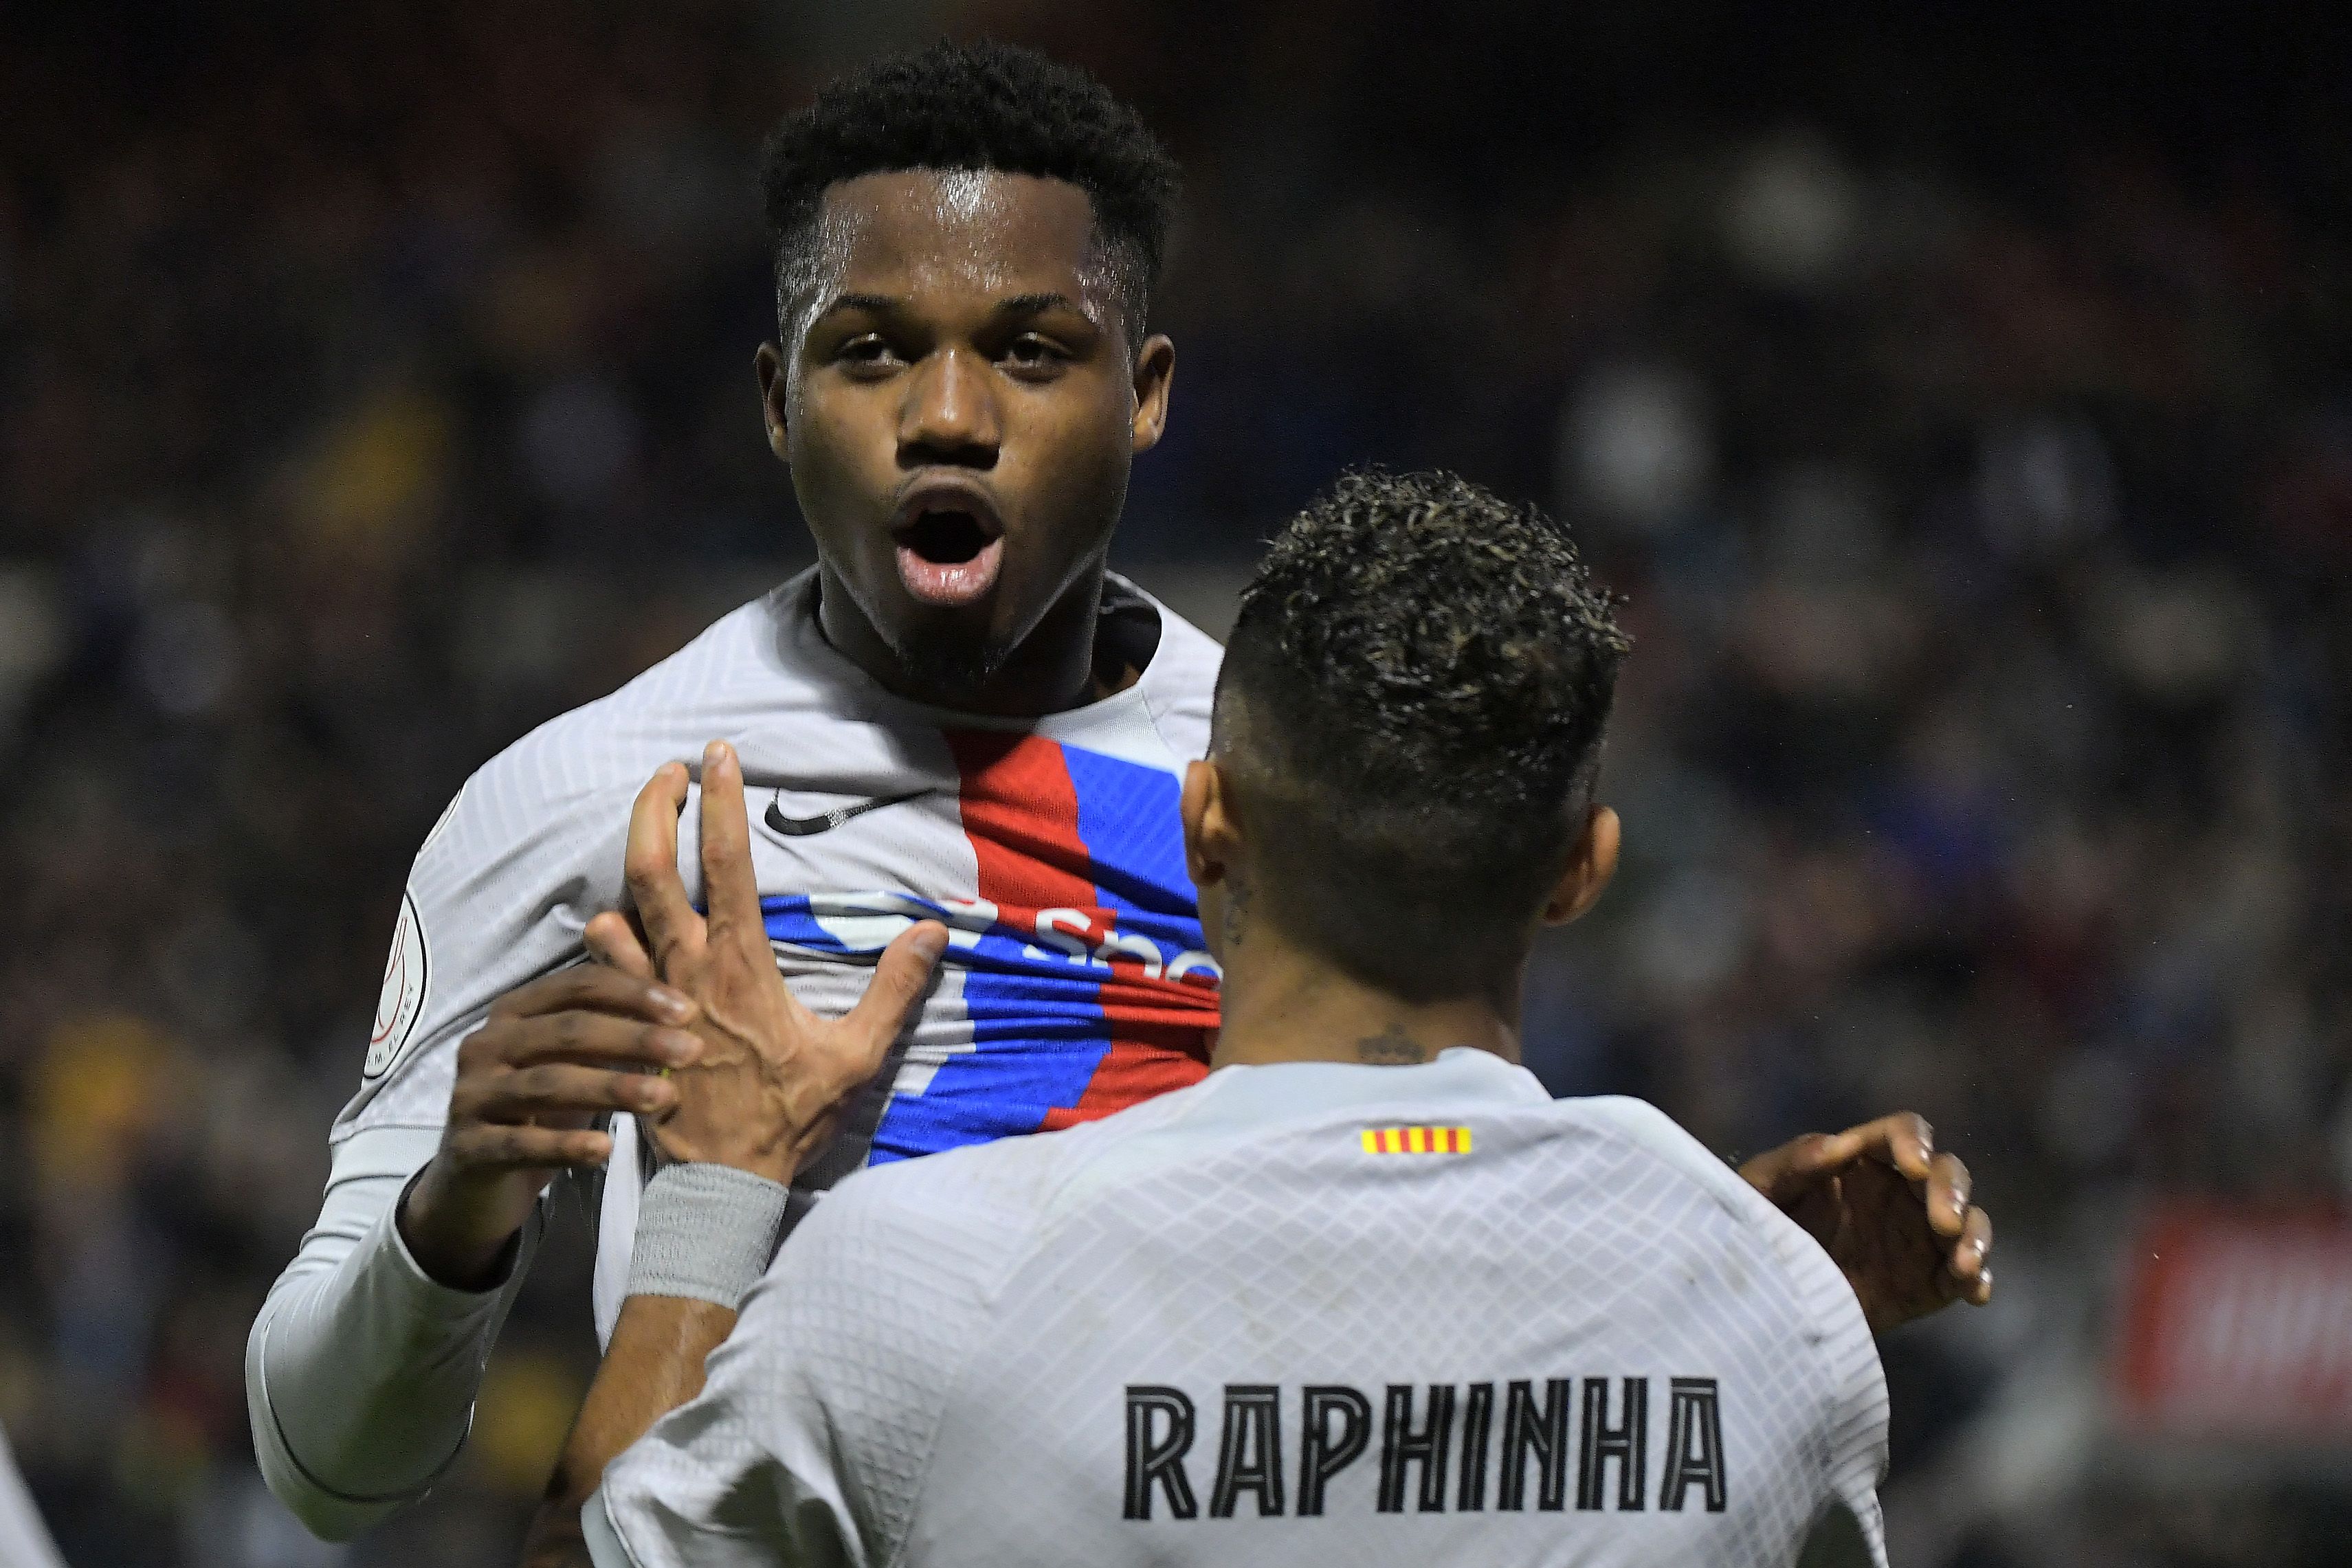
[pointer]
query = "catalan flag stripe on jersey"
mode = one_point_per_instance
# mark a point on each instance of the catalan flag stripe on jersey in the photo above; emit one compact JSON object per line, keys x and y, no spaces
{"x":1416,"y":1140}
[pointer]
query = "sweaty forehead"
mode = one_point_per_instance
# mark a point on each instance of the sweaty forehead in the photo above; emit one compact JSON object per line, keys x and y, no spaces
{"x":960,"y":231}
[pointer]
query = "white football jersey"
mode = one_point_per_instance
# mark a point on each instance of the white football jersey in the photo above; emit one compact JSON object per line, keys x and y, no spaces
{"x":1307,"y":1312}
{"x":1076,"y":983}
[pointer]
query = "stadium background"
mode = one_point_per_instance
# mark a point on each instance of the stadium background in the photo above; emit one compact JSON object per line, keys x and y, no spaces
{"x":1963,"y":399}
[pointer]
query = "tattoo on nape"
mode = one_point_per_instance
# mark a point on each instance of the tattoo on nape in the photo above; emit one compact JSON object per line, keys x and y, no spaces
{"x":1237,"y":901}
{"x":1390,"y":1047}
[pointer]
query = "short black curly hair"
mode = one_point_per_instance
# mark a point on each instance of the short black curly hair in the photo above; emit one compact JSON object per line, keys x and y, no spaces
{"x":1412,"y":709}
{"x":981,"y":105}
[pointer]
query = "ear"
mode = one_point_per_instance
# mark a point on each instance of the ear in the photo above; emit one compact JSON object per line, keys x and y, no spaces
{"x":1210,"y":843}
{"x":1155,"y":371}
{"x":1589,"y":866}
{"x":769,"y":363}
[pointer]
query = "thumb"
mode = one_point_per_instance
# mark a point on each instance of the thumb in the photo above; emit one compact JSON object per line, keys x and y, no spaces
{"x":900,"y":978}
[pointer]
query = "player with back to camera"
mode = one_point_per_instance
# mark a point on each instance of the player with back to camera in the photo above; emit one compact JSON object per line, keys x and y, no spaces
{"x":1366,"y":1295}
{"x":959,"y":714}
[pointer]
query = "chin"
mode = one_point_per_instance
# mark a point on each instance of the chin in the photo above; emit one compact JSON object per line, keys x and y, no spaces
{"x":949,"y":663}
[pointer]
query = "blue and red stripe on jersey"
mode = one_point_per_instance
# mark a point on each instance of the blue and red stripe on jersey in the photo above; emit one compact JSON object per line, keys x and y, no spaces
{"x":1084,"y":974}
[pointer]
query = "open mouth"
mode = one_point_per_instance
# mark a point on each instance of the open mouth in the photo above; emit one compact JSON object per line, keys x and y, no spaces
{"x":951,"y":545}
{"x":945,"y":538}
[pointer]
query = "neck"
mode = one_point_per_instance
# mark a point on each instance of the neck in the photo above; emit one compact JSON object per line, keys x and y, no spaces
{"x":1282,"y":1004}
{"x":1051,"y":669}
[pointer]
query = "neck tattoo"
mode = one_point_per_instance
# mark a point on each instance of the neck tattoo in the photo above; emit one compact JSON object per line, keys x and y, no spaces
{"x":1237,"y":901}
{"x":1389,"y":1048}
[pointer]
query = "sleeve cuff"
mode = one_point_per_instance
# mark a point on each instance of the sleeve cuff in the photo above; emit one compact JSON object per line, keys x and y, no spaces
{"x":449,"y":1303}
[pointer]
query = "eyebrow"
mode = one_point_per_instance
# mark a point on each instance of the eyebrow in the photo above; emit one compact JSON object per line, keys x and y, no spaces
{"x":1032,"y":304}
{"x":878,"y":303}
{"x":1019,"y":305}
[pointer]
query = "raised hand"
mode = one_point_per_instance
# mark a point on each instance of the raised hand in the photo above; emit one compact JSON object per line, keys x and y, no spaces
{"x":1892,"y":1213}
{"x":551,"y":1057}
{"x":773,"y":1077}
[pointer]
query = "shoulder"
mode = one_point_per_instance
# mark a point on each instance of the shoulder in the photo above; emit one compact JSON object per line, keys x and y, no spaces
{"x":1818,"y":1290}
{"x":1180,"y":682}
{"x":1656,"y":1137}
{"x":580,"y":761}
{"x":1648,"y":1136}
{"x":605,"y":741}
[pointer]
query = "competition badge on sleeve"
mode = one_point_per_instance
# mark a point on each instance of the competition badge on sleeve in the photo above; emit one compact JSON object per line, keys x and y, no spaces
{"x":396,"y":1010}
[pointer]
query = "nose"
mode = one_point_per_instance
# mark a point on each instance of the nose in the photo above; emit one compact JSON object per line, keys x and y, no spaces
{"x":951,"y":414}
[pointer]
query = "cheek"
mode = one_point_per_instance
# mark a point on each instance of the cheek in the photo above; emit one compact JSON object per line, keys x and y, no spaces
{"x":834,"y":467}
{"x":1078,"y":459}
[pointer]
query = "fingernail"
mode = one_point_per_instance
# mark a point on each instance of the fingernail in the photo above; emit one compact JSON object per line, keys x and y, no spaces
{"x":676,"y":1049}
{"x":931,"y":941}
{"x":713,"y":754}
{"x":675,"y":1005}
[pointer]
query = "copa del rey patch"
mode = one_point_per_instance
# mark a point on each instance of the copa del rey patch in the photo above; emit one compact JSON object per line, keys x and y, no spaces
{"x":403,"y":999}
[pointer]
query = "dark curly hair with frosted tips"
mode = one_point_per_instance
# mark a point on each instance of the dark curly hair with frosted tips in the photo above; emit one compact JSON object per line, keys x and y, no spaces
{"x":1412,"y":709}
{"x":978,"y":106}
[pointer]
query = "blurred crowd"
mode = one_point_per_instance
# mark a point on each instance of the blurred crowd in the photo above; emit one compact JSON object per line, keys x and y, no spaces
{"x":375,"y":381}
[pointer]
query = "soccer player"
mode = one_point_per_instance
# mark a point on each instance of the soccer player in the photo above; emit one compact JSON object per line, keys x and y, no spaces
{"x":959,"y":714}
{"x":1365,"y":1294}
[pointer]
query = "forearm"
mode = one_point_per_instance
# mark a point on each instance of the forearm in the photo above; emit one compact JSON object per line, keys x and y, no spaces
{"x":705,"y":1234}
{"x":653,"y":1366}
{"x":361,"y":1371}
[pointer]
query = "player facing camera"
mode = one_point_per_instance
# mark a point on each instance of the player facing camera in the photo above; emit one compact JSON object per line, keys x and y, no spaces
{"x":1407,"y":730}
{"x":966,"y":243}
{"x":1018,"y":1351}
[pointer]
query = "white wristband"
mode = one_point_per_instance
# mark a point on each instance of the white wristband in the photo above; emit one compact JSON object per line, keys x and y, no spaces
{"x":707,"y":1232}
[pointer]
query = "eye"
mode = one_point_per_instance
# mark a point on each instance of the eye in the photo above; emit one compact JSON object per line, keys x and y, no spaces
{"x":867,"y":351}
{"x":1035,"y":353}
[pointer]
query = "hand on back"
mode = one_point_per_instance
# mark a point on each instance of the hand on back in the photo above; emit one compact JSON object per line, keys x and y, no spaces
{"x":1891,"y":1212}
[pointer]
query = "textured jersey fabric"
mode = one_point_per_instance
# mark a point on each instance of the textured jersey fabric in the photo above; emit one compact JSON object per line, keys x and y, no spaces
{"x":1307,"y":1312}
{"x":1074,"y":983}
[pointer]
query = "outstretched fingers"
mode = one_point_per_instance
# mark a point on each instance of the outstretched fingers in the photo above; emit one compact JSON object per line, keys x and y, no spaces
{"x":900,"y":977}
{"x":650,"y":866}
{"x":613,"y":941}
{"x":727,"y":881}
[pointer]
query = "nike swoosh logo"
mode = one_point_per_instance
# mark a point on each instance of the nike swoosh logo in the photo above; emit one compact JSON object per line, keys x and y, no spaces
{"x":802,"y":827}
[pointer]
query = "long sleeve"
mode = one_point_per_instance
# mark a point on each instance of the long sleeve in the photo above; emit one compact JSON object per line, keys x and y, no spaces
{"x":361,"y":1371}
